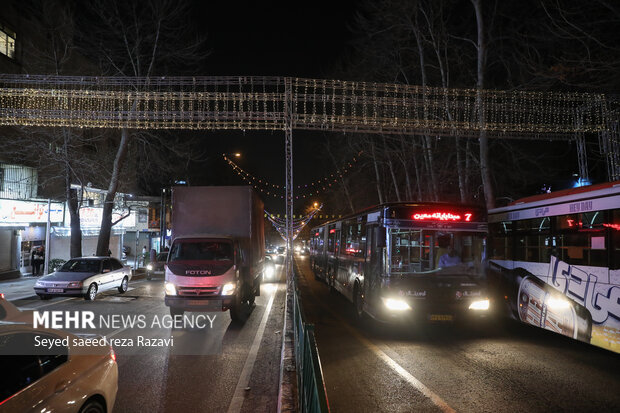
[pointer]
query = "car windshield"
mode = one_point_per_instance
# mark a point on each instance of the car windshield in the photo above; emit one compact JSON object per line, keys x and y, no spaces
{"x":93,"y":266}
{"x":198,"y":250}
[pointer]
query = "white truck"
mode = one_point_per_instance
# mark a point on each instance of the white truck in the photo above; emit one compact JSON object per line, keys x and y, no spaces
{"x":217,"y":253}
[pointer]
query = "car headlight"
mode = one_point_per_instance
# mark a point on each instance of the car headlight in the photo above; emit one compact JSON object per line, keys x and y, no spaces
{"x":479,"y":305}
{"x":75,"y":284}
{"x":170,"y":289}
{"x":39,"y":284}
{"x":268,"y":271}
{"x":228,"y":289}
{"x":395,"y":304}
{"x":149,"y":267}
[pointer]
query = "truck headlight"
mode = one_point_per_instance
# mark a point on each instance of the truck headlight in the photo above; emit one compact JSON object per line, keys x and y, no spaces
{"x":228,"y":289}
{"x":479,"y":305}
{"x":170,"y":289}
{"x":149,"y":267}
{"x":75,"y":284}
{"x":395,"y":304}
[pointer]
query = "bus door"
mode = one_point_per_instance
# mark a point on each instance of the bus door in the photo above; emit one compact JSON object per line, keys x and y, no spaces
{"x":375,"y":247}
{"x":333,"y":247}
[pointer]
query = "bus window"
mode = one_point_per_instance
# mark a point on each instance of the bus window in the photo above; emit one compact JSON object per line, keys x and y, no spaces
{"x":614,"y":226}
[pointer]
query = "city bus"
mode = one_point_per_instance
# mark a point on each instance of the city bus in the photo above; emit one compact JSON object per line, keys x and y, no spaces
{"x":555,"y":260}
{"x":411,"y":261}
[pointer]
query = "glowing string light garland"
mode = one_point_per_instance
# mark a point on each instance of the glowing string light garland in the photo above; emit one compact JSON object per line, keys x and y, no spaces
{"x":313,"y":187}
{"x":258,"y":103}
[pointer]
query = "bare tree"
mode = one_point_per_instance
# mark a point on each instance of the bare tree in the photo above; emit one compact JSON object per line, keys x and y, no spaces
{"x":139,"y":39}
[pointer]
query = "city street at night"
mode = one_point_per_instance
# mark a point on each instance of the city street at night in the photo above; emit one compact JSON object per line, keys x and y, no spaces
{"x":494,"y":366}
{"x":309,"y":207}
{"x":231,"y":378}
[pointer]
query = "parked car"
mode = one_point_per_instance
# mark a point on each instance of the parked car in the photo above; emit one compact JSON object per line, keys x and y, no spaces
{"x":58,"y":380}
{"x":9,"y":312}
{"x":84,"y":277}
{"x":157,"y":267}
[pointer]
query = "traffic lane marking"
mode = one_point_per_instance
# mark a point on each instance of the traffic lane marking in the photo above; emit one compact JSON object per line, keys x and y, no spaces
{"x":244,"y":379}
{"x":408,"y":377}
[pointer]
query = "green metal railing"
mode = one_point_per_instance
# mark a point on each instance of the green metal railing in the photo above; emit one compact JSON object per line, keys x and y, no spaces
{"x":311,"y":388}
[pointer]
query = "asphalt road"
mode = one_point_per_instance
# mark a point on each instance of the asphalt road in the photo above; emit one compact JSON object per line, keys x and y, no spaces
{"x":232,"y":368}
{"x":500,"y":366}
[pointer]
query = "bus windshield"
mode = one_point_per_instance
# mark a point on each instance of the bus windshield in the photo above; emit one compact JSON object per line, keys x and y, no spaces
{"x":423,"y":251}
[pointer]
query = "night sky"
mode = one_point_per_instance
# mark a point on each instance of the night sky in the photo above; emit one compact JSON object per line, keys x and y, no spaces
{"x":277,"y":38}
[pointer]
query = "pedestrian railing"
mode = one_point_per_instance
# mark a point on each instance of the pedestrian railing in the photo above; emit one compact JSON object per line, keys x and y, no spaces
{"x":311,"y":388}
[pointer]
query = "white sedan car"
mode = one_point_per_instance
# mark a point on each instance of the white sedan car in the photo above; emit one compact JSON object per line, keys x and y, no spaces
{"x":58,"y":380}
{"x":84,"y":277}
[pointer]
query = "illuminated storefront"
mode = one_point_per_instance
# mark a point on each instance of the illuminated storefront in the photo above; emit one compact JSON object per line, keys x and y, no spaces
{"x":22,"y":228}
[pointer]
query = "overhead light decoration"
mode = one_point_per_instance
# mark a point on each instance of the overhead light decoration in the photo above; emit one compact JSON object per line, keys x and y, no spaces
{"x":259,"y":103}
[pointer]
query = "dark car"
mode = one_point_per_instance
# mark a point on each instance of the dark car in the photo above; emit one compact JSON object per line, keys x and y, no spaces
{"x":156,"y":267}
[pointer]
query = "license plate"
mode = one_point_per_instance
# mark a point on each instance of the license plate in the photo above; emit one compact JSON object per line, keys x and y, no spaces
{"x":55,"y":290}
{"x":211,"y":304}
{"x":441,"y":317}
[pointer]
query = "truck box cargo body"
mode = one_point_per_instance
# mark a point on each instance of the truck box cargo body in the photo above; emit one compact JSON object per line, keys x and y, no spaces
{"x":216,"y":258}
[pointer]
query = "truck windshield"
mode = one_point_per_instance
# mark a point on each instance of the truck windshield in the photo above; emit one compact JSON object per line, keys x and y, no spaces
{"x":199,"y":250}
{"x":420,"y":251}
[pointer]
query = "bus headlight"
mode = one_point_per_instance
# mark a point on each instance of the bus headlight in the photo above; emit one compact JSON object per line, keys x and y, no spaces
{"x":228,"y":289}
{"x":479,"y":305}
{"x":395,"y":304}
{"x":557,"y":303}
{"x":170,"y":289}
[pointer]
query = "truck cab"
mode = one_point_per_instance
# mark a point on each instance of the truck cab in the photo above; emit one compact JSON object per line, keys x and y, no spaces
{"x":207,"y":272}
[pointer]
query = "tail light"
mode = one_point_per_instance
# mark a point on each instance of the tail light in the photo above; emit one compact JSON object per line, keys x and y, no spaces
{"x":2,"y":295}
{"x":112,"y":354}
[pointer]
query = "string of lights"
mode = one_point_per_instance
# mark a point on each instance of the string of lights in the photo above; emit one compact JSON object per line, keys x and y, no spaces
{"x":314,"y":187}
{"x":298,"y":224}
{"x":259,"y":103}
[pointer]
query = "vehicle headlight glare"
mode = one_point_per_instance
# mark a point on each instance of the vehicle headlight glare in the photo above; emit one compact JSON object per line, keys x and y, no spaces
{"x":394,"y":304}
{"x":268,"y":272}
{"x":149,"y":267}
{"x":558,"y":303}
{"x":170,"y":289}
{"x":228,"y":289}
{"x":479,"y":305}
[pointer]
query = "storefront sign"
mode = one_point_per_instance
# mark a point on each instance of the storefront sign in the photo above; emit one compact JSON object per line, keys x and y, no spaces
{"x":28,"y":212}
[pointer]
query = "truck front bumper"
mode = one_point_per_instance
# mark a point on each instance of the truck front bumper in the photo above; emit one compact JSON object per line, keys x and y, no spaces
{"x":215,"y":303}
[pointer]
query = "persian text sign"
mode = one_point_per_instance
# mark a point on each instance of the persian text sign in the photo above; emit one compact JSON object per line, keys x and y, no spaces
{"x":23,"y":212}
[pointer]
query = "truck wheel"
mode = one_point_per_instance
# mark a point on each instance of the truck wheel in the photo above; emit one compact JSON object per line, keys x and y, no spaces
{"x":236,"y":310}
{"x":176,"y":311}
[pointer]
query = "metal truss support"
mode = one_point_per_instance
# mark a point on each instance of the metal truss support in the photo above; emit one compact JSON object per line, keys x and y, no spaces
{"x":609,"y":144}
{"x":582,"y":157}
{"x":288,"y":151}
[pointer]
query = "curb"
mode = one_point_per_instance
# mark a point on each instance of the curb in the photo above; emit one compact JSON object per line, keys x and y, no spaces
{"x":287,"y":391}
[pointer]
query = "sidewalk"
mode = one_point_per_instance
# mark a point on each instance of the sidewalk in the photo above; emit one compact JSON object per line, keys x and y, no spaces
{"x":19,"y":288}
